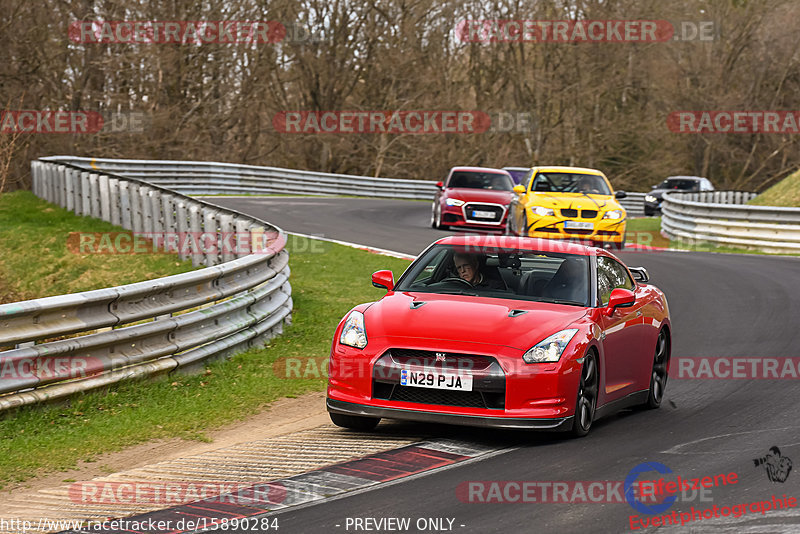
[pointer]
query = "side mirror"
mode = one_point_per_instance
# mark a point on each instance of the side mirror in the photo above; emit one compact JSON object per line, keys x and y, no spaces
{"x":384,"y":279}
{"x":620,"y":298}
{"x":640,"y":274}
{"x":519,"y":189}
{"x":440,"y":185}
{"x":620,"y":194}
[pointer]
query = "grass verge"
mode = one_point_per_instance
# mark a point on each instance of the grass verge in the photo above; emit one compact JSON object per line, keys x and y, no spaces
{"x":36,"y":262}
{"x":785,"y":193}
{"x":327,"y":280}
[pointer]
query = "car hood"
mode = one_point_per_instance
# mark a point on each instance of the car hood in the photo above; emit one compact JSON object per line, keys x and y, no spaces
{"x":578,"y":201}
{"x":466,"y":318}
{"x":480,"y":195}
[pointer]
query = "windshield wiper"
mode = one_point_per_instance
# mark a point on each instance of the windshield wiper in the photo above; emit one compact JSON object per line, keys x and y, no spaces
{"x":560,"y":301}
{"x":457,"y":292}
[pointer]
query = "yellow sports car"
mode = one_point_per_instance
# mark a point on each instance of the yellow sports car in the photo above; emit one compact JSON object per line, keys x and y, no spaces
{"x":568,"y":203}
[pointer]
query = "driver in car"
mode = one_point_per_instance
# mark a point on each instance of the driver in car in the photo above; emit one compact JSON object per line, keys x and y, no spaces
{"x":586,"y":185}
{"x":468,"y":268}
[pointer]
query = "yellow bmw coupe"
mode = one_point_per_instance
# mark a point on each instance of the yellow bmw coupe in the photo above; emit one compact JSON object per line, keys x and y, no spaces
{"x":568,"y":203}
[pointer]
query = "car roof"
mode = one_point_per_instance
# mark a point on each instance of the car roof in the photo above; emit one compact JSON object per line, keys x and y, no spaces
{"x":478,"y":169}
{"x":696,"y":178}
{"x":522,"y":243}
{"x":516,"y":168}
{"x":580,"y":170}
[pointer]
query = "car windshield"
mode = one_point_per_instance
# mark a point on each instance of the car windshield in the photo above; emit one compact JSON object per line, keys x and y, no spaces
{"x":500,"y":273}
{"x":679,"y":183}
{"x":567,"y":182}
{"x":480,"y":180}
{"x":518,"y":175}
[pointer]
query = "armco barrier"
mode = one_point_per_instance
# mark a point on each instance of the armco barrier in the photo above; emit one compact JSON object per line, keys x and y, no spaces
{"x":209,"y":178}
{"x":723,"y":218}
{"x":150,"y":327}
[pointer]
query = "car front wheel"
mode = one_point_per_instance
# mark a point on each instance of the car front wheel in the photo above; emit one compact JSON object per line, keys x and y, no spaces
{"x":658,"y":376}
{"x":587,"y":397}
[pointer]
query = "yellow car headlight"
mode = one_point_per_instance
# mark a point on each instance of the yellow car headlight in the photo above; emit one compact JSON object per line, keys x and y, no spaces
{"x":613,"y":214}
{"x":541,"y":211}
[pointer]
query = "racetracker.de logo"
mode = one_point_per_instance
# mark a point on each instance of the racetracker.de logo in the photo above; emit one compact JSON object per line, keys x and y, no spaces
{"x":175,"y":492}
{"x":746,"y":122}
{"x":735,"y":368}
{"x":565,"y":31}
{"x":390,"y":122}
{"x":176,"y":31}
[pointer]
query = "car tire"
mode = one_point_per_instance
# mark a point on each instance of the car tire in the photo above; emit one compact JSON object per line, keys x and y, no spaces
{"x":433,"y":215}
{"x":648,"y":213}
{"x":437,"y":218}
{"x":586,"y":402}
{"x":354,"y":422}
{"x":658,"y":375}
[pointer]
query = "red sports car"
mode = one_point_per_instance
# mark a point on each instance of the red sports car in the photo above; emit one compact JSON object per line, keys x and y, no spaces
{"x":473,"y":197}
{"x":500,"y":331}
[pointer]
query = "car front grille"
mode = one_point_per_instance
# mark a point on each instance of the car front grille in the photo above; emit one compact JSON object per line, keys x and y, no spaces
{"x":488,"y":378}
{"x":588,"y":214}
{"x":569,"y":213}
{"x":497,"y":212}
{"x":577,"y":232}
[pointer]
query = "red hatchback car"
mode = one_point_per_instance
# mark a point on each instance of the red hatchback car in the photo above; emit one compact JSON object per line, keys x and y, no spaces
{"x":473,"y":197}
{"x":500,"y":331}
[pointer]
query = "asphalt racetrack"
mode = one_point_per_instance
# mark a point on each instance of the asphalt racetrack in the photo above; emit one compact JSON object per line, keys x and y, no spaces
{"x":722,"y":305}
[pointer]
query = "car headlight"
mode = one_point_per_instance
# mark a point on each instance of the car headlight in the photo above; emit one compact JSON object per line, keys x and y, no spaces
{"x":454,"y":202}
{"x":353,"y":333}
{"x":613,"y":214}
{"x":650,"y":198}
{"x":551,"y":348}
{"x":541,"y":211}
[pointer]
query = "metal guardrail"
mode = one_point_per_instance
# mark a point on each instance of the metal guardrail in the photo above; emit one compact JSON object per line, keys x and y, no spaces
{"x":724,"y":218}
{"x":95,"y":338}
{"x":208,"y":178}
{"x":633,"y":204}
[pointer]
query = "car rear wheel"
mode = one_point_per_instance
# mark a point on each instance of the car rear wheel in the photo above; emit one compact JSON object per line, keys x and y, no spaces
{"x":354,"y":422}
{"x":586,"y":403}
{"x":658,"y":377}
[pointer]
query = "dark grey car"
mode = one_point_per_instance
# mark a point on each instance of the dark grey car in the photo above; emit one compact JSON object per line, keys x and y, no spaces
{"x":652,"y":200}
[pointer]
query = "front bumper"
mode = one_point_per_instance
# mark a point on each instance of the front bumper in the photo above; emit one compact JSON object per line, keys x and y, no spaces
{"x":507,"y":393}
{"x":460,"y":216}
{"x":364,"y":410}
{"x":602,"y":231}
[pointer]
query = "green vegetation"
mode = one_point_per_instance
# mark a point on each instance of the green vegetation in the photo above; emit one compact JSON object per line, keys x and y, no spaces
{"x":785,"y":193}
{"x":327,"y":280}
{"x":36,"y":260}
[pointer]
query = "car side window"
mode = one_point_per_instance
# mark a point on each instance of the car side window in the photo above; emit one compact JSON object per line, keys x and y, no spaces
{"x":425,"y":274}
{"x":611,"y":275}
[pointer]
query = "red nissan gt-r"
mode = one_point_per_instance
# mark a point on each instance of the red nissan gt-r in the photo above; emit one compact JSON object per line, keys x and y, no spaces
{"x":500,"y":331}
{"x":473,"y":197}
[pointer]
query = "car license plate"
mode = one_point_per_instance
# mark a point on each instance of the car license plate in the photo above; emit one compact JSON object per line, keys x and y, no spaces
{"x":435,"y":379}
{"x":578,"y":225}
{"x":483,"y":214}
